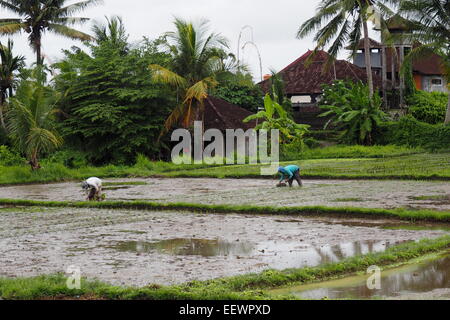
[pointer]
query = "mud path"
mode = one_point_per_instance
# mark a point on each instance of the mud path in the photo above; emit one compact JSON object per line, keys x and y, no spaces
{"x":139,"y":248}
{"x":369,"y":194}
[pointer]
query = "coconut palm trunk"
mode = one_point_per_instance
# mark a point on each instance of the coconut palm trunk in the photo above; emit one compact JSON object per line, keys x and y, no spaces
{"x":367,"y":57}
{"x":37,"y":48}
{"x":2,"y":110}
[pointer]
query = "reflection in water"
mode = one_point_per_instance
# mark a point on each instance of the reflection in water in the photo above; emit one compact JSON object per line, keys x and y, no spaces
{"x":415,"y":279}
{"x":274,"y":254}
{"x":188,"y":247}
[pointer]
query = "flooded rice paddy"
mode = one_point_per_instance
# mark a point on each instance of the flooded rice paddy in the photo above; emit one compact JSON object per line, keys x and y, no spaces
{"x":137,"y":248}
{"x":369,"y":194}
{"x":428,"y":279}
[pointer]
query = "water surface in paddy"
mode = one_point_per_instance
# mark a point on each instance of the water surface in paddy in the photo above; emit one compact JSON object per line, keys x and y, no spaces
{"x":277,"y":254}
{"x":426,"y":280}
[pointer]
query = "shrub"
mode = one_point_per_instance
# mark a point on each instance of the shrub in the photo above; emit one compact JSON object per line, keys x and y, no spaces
{"x":68,"y":158}
{"x":9,"y":158}
{"x":429,"y":107}
{"x":411,"y":132}
{"x":351,"y":110}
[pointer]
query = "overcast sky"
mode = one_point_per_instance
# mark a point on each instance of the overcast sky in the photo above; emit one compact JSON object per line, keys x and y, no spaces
{"x":274,"y":24}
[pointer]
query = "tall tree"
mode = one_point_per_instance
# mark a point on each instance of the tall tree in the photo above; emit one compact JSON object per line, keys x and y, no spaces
{"x":197,"y":56}
{"x":38,"y":16}
{"x":111,"y":110}
{"x":344,"y":21}
{"x":429,"y":21}
{"x":30,"y":118}
{"x":9,"y":66}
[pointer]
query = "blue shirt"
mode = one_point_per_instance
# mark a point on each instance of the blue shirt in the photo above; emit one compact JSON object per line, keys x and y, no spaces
{"x":288,"y":172}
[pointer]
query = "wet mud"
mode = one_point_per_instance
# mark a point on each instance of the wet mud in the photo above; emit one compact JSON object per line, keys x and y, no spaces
{"x":138,"y":248}
{"x":369,"y":194}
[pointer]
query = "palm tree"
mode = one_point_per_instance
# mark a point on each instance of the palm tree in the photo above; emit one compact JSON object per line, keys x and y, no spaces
{"x":112,"y":32}
{"x":38,"y":16}
{"x":196,"y":58}
{"x":31,"y":119}
{"x":9,"y":65}
{"x":430,"y":26}
{"x":344,"y":20}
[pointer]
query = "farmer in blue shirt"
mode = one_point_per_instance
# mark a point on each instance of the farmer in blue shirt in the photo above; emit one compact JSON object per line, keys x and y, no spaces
{"x":288,"y":174}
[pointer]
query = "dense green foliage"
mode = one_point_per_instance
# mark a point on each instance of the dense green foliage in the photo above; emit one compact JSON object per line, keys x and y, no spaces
{"x":111,"y":109}
{"x":352,"y":110}
{"x":9,"y":158}
{"x":245,"y":96}
{"x":411,"y":132}
{"x":275,"y":117}
{"x":248,"y":286}
{"x":429,"y":107}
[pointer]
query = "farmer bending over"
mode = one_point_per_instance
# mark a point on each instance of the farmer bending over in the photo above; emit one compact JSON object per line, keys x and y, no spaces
{"x":288,"y":174}
{"x":94,"y":187}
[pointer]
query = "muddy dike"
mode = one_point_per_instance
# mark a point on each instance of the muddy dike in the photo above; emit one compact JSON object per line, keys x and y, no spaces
{"x":138,"y":248}
{"x":409,"y":195}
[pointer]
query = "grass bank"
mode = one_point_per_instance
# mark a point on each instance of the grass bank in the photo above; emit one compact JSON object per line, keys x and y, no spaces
{"x":340,"y":162}
{"x":250,"y":286}
{"x":410,"y":167}
{"x":401,"y":214}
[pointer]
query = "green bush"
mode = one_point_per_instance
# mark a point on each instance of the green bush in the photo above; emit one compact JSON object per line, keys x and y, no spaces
{"x":408,"y":131}
{"x":429,"y":107}
{"x":9,"y":158}
{"x":352,"y":111}
{"x":69,"y":158}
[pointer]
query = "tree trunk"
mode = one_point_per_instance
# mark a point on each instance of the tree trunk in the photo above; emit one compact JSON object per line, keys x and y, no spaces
{"x":447,"y":117}
{"x":34,"y":162}
{"x":37,"y":46}
{"x":368,"y":61}
{"x":2,"y":104}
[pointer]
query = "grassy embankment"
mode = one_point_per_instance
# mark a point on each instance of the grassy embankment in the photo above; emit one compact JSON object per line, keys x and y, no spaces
{"x":410,"y":167}
{"x":353,"y":162}
{"x":400,"y":214}
{"x":250,"y":286}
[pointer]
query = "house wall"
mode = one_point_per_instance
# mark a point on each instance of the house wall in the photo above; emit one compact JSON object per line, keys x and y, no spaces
{"x":359,"y":60}
{"x":427,"y":84}
{"x":418,"y":81}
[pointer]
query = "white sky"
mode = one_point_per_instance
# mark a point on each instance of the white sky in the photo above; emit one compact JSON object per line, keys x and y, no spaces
{"x":275,"y":24}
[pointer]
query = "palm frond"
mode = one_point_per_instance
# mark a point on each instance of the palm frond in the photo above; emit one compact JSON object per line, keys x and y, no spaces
{"x":165,"y":76}
{"x":11,"y":27}
{"x":68,"y":32}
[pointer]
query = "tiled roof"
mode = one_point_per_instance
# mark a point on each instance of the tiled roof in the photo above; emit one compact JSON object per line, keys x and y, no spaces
{"x":222,"y":115}
{"x":303,"y":78}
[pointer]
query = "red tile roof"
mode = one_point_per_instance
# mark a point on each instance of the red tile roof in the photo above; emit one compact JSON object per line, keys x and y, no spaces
{"x":301,"y":78}
{"x":222,"y":115}
{"x":373,"y":44}
{"x":426,"y":65}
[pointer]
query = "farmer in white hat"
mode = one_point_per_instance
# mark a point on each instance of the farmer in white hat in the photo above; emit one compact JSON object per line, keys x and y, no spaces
{"x":94,"y":188}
